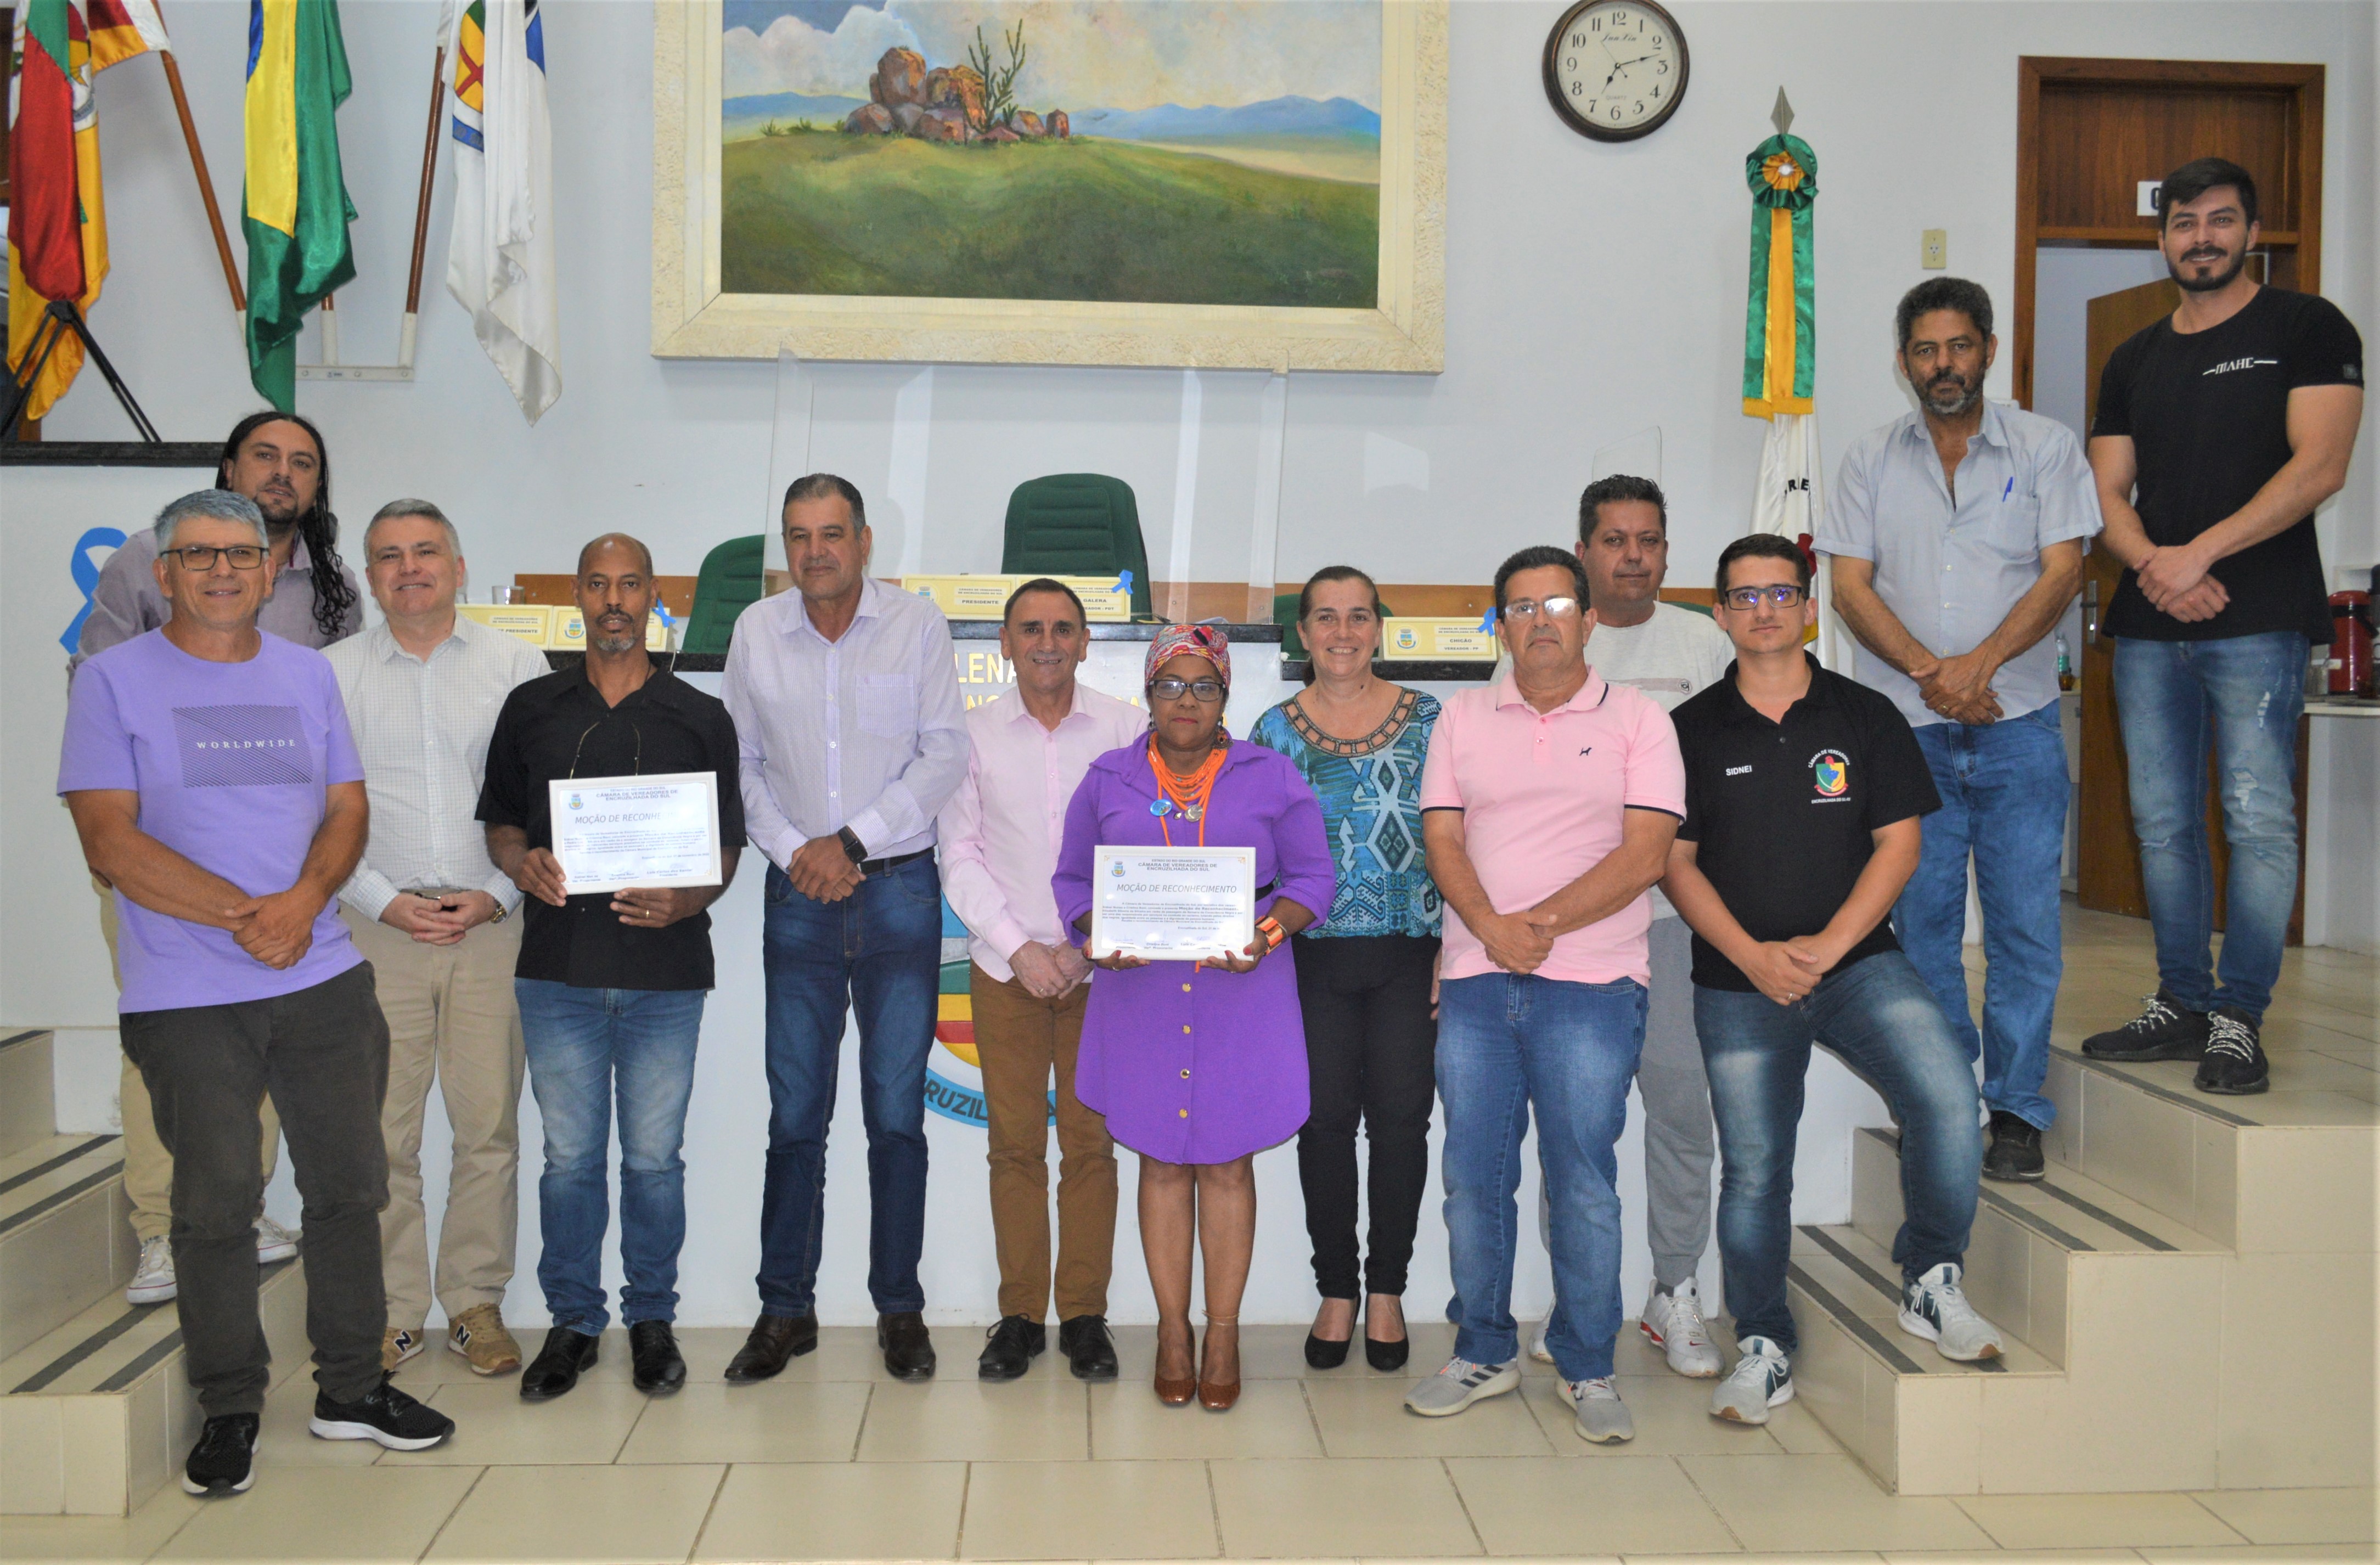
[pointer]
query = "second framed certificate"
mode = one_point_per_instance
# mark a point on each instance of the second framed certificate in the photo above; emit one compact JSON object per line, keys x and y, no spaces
{"x":1172,"y":904}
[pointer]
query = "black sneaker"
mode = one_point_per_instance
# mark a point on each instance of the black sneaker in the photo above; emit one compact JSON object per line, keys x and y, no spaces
{"x":223,"y":1461}
{"x":2015,"y":1153}
{"x":385,"y":1414}
{"x":1010,"y":1348}
{"x":2234,"y":1062}
{"x":2164,"y":1030}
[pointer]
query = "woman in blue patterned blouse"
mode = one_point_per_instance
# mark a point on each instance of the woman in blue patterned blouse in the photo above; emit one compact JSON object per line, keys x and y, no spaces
{"x":1363,"y":973}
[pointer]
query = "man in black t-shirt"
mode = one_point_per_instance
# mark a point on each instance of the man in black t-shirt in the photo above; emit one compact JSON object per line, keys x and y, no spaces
{"x":2219,"y":430}
{"x":1803,"y":791}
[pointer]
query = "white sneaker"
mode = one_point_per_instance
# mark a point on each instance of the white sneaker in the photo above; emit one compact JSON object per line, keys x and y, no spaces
{"x":1673,"y":1323}
{"x":1602,"y":1416}
{"x":1934,"y":1307}
{"x":1763,"y":1379}
{"x":1459,"y":1385}
{"x":273,"y":1242}
{"x":1538,"y":1348}
{"x":152,"y":1276}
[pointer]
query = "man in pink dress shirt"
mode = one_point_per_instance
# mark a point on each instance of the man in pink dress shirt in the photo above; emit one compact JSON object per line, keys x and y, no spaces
{"x":1027,"y":751}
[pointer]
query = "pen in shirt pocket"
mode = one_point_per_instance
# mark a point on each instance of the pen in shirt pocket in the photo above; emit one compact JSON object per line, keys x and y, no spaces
{"x":2008,"y":491}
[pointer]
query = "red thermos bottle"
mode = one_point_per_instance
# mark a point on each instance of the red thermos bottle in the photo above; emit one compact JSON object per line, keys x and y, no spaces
{"x":2350,"y":644}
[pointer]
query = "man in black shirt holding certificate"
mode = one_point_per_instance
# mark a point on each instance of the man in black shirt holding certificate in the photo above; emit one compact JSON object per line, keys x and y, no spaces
{"x":610,"y":984}
{"x":1803,"y":791}
{"x":2218,"y":431}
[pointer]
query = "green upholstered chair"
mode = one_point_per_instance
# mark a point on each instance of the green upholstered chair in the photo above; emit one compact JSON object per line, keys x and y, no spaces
{"x":1077,"y":524}
{"x":729,"y":582}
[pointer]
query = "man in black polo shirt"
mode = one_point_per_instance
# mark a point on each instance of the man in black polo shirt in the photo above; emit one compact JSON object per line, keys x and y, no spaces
{"x":2219,"y":430}
{"x":611,"y":985}
{"x":1802,"y":794}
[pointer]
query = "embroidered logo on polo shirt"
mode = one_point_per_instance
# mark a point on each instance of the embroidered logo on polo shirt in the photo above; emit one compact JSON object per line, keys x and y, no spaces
{"x":1830,"y":773}
{"x":242,"y":746}
{"x":1739,"y":772}
{"x":2226,"y":367}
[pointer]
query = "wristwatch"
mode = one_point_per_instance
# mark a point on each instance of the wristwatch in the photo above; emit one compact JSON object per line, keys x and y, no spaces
{"x":501,"y":914}
{"x":852,"y":846}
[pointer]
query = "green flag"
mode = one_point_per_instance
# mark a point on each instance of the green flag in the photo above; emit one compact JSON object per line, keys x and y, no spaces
{"x":295,"y":211}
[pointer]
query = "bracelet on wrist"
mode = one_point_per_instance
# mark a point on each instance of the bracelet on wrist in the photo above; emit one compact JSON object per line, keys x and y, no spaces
{"x":1270,"y":927}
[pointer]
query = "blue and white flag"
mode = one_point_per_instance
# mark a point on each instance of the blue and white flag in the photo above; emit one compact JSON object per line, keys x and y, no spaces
{"x":500,"y":265}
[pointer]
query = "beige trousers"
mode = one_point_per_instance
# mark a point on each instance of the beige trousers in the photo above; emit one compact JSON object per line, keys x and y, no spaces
{"x":147,"y":1167}
{"x":450,"y":1017}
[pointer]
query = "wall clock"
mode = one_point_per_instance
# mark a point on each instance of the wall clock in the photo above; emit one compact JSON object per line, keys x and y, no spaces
{"x":1616,"y":69}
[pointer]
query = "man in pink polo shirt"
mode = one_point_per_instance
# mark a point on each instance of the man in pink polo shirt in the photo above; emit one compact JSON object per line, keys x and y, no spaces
{"x":1000,"y":834}
{"x":1548,"y":803}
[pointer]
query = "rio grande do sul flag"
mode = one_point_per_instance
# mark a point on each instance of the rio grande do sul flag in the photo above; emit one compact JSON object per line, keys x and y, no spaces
{"x":295,"y":210}
{"x":500,"y":262}
{"x":57,"y":220}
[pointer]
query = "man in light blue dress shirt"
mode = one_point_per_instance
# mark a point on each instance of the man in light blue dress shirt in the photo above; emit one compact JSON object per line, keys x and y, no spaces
{"x":1958,"y":532}
{"x":852,"y":734}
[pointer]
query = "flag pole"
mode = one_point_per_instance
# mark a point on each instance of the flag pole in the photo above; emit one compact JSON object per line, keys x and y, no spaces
{"x":422,"y":206}
{"x":206,"y":185}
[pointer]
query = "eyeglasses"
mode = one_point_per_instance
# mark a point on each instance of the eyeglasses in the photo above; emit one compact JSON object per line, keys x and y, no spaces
{"x":198,"y":557}
{"x":1747,"y":598}
{"x":1552,"y":608}
{"x":1207,"y":690}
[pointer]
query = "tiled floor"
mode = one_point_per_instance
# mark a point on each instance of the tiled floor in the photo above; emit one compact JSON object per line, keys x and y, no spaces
{"x":836,"y":1462}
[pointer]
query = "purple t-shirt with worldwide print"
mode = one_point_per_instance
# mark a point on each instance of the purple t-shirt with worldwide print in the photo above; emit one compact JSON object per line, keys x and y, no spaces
{"x":232,"y":762}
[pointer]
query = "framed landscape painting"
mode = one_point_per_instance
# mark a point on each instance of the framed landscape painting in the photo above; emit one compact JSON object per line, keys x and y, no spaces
{"x":1255,"y":184}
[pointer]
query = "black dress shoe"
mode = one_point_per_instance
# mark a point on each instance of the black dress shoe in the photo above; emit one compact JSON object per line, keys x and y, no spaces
{"x":653,"y":1355}
{"x":775,"y":1339}
{"x":1089,"y":1349}
{"x":1010,"y":1348}
{"x":908,"y":1350}
{"x":557,"y":1366}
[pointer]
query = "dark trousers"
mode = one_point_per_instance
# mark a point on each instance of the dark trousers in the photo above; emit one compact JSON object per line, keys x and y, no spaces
{"x":322,"y":1055}
{"x":1371,"y":1057}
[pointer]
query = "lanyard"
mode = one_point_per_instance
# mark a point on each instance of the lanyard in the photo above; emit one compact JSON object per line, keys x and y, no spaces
{"x":1190,"y":795}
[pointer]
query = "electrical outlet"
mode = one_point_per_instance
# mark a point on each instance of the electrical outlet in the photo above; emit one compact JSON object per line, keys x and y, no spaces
{"x":1934,"y":251}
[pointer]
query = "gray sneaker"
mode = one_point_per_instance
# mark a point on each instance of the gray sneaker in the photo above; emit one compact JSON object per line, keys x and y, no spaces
{"x":1602,"y":1416}
{"x":1935,"y":1308}
{"x":1763,"y":1379}
{"x":1459,"y":1385}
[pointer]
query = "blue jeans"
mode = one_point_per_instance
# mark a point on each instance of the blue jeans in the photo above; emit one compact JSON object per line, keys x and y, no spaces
{"x":2004,"y":793}
{"x":1507,"y":1042}
{"x":2241,"y":696}
{"x":584,"y":1046}
{"x":1880,"y":1016}
{"x":877,"y":952}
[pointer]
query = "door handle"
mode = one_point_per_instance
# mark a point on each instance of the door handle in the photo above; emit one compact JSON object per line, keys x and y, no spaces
{"x":2091,"y":613}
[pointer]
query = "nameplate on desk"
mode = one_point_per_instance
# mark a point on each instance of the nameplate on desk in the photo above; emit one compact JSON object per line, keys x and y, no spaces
{"x":985,"y":597}
{"x":1403,"y":636}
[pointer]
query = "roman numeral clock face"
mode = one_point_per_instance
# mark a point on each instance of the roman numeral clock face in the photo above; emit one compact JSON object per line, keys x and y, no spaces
{"x":1616,"y":69}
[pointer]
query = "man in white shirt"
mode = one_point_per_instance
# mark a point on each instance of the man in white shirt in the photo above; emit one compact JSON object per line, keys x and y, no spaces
{"x":852,"y":736}
{"x":1027,"y":751}
{"x":1669,"y":653}
{"x":432,"y":913}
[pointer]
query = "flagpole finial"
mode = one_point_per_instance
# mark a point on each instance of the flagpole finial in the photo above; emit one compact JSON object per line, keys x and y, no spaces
{"x":1781,"y":117}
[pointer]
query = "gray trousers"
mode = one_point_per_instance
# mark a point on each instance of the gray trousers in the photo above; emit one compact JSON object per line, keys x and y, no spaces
{"x":1679,"y":1143}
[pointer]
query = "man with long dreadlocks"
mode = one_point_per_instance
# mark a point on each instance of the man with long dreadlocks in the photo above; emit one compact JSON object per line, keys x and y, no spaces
{"x":278,"y":461}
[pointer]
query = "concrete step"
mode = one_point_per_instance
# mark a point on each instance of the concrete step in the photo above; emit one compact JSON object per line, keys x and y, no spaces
{"x":28,"y":1091}
{"x":64,"y":1237}
{"x":98,"y":1414}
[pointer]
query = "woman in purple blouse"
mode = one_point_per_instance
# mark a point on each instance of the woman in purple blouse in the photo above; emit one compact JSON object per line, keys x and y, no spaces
{"x":1197,"y":1067}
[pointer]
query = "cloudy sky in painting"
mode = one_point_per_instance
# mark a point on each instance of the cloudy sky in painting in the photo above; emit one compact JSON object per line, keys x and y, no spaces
{"x":1105,"y":54}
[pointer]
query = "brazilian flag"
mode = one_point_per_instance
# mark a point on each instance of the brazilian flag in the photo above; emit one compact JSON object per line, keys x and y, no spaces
{"x":295,"y":210}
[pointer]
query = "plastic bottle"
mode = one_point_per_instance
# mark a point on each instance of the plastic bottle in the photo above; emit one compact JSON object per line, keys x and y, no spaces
{"x":2065,"y":664}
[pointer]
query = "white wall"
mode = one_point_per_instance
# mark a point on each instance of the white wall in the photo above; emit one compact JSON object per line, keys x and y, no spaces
{"x":1593,"y":291}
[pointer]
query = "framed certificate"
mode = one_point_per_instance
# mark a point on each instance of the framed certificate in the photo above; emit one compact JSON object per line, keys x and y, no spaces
{"x":1172,"y":904}
{"x":613,"y":833}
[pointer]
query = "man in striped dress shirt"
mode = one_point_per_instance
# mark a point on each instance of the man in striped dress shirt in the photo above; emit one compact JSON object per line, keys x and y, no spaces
{"x":432,"y":915}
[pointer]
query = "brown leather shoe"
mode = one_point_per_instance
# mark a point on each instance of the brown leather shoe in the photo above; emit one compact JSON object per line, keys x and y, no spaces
{"x":1175,"y":1393}
{"x":908,"y":1350}
{"x":775,"y":1339}
{"x":1217,"y":1396}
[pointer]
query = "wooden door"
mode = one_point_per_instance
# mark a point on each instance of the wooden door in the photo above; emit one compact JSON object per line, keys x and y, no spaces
{"x":2107,"y":868}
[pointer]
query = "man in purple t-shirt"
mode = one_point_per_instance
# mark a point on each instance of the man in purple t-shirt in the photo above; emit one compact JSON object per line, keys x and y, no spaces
{"x":215,"y":786}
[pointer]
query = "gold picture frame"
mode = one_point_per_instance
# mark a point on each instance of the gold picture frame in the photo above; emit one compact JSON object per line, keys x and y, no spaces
{"x":693,"y":318}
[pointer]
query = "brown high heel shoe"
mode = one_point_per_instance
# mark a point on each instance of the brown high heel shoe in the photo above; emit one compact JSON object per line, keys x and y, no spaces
{"x":1174,"y":1393}
{"x":1213,"y":1395}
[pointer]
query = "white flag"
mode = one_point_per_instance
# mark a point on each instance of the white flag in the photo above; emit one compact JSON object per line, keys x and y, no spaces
{"x":1787,"y":501}
{"x":500,"y":266}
